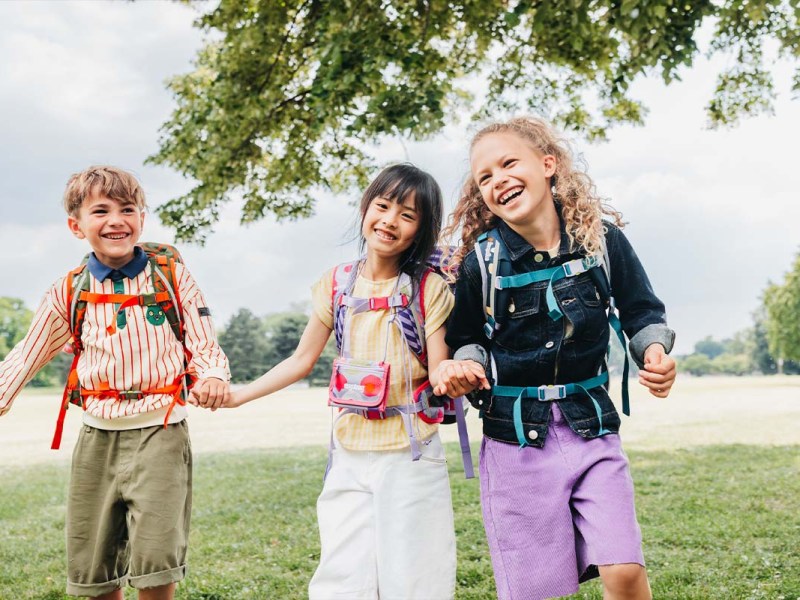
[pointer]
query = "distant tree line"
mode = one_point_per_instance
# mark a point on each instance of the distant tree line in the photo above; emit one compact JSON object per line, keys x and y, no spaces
{"x":15,"y":318}
{"x":255,"y":344}
{"x":771,"y":345}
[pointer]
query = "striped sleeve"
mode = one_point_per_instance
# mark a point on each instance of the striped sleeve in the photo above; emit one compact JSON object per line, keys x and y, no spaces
{"x":208,"y":359}
{"x":48,"y":333}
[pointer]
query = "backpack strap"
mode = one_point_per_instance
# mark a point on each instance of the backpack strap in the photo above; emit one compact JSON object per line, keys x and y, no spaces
{"x":493,"y":260}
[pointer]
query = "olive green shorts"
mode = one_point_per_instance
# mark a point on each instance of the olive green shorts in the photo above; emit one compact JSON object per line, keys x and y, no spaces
{"x":128,"y":510}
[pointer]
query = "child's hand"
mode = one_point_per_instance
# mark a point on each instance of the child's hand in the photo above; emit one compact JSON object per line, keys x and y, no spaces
{"x":659,"y":371}
{"x":458,"y":377}
{"x":210,"y":393}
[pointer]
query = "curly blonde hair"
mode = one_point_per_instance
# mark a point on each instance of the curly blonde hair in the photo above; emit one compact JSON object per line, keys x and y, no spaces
{"x":581,"y":208}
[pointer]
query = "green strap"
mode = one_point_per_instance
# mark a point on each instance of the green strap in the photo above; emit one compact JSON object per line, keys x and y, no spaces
{"x":119,"y":288}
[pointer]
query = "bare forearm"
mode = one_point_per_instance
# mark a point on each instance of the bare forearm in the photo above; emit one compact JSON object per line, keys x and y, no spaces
{"x":285,"y":373}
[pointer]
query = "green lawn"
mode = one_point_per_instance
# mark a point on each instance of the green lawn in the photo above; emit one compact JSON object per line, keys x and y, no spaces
{"x":718,"y":523}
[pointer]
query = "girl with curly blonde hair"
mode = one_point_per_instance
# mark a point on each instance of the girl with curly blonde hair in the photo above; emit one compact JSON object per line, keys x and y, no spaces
{"x":561,"y":512}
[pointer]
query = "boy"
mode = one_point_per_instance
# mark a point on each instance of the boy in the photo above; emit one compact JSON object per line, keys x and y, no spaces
{"x":129,"y":497}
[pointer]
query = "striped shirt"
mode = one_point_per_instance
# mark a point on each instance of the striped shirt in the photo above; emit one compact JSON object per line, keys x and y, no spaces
{"x":368,"y":331}
{"x":141,"y":355}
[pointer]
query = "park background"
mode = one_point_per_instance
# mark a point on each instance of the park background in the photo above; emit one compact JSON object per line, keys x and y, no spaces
{"x":712,"y":215}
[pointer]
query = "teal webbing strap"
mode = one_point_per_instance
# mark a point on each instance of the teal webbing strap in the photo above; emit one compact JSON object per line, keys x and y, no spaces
{"x":551,"y":275}
{"x":613,"y":320}
{"x":546,"y":393}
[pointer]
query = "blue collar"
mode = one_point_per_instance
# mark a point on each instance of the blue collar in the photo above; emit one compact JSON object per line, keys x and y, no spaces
{"x":102,"y":272}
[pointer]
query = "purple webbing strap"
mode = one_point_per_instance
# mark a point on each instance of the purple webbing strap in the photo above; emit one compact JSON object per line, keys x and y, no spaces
{"x":463,"y":438}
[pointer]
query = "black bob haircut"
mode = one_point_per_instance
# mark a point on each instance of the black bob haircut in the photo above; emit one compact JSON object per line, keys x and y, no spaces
{"x":396,"y":183}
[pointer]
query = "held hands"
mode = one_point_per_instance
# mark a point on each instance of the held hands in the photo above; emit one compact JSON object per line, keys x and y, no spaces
{"x":659,"y":372}
{"x":210,"y":393}
{"x":458,"y":377}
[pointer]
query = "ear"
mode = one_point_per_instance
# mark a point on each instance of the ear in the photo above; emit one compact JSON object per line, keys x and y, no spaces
{"x":549,"y":163}
{"x":141,"y":222}
{"x":75,"y":227}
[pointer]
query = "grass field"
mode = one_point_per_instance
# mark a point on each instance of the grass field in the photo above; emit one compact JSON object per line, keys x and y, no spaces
{"x":719,"y":522}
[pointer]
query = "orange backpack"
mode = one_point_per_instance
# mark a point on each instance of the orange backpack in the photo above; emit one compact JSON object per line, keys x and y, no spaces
{"x":162,"y":259}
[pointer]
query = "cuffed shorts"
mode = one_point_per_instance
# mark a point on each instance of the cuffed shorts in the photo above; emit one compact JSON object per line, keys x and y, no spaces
{"x":128,"y":508}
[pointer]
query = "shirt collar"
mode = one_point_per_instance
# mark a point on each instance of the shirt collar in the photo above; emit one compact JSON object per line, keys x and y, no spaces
{"x":518,"y":245}
{"x":130,"y":270}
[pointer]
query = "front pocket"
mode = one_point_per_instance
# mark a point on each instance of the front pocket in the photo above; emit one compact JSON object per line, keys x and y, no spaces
{"x":522,"y":328}
{"x":360,"y":384}
{"x":582,"y":306}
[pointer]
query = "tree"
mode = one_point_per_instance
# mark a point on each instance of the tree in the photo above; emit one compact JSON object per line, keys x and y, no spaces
{"x":710,"y":347}
{"x":286,"y":97}
{"x":284,"y":331}
{"x":244,"y":341}
{"x":15,"y":319}
{"x":782,"y":303}
{"x":696,"y":364}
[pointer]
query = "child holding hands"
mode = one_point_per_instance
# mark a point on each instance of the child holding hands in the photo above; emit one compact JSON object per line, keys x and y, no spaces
{"x":531,"y":305}
{"x":129,"y":498}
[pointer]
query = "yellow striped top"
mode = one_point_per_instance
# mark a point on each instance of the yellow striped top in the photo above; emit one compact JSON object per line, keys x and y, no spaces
{"x":368,"y":332}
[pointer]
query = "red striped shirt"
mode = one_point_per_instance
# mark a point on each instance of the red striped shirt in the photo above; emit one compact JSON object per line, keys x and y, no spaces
{"x":138,"y":356}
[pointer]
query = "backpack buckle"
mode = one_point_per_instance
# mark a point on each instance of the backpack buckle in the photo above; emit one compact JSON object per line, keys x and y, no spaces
{"x":551,"y":392}
{"x":148,"y":299}
{"x":379,"y":303}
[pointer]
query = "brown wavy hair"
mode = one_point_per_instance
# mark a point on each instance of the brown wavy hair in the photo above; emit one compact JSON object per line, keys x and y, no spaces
{"x":581,"y":208}
{"x":111,"y":182}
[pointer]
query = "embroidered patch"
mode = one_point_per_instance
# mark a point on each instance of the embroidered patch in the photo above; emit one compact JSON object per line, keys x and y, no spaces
{"x":155,"y":316}
{"x":204,"y":311}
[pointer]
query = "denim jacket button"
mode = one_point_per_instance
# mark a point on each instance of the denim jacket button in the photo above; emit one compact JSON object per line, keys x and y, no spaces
{"x":538,"y":257}
{"x":533,"y":434}
{"x":549,"y":344}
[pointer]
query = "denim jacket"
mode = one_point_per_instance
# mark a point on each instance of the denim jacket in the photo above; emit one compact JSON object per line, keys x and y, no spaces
{"x":530,"y":349}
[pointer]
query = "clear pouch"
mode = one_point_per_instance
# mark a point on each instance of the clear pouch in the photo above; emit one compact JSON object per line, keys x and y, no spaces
{"x":359,"y":384}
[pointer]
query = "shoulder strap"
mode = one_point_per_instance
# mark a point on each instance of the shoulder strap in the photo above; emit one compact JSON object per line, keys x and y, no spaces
{"x":77,"y":282}
{"x":493,"y":262}
{"x":412,"y":317}
{"x":162,"y":258}
{"x":344,"y":277}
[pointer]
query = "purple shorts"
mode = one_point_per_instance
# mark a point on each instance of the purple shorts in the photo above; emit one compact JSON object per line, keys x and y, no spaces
{"x":553,"y":514}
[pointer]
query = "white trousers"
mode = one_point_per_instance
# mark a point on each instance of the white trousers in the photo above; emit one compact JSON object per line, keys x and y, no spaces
{"x":386,"y":527}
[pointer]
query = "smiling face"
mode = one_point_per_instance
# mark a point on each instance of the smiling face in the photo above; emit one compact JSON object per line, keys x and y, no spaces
{"x":390,"y":226}
{"x":111,"y":227}
{"x":513,"y":177}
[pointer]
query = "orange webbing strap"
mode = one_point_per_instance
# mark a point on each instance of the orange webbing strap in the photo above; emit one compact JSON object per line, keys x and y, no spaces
{"x":175,"y":389}
{"x":72,"y":384}
{"x":129,"y":299}
{"x":124,"y":301}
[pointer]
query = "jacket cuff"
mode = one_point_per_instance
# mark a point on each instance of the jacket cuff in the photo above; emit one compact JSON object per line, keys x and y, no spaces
{"x":657,"y":333}
{"x":217,"y":373}
{"x":474,"y":352}
{"x":477,"y":353}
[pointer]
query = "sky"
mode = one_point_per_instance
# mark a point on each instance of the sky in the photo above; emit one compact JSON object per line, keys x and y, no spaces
{"x":713,"y":215}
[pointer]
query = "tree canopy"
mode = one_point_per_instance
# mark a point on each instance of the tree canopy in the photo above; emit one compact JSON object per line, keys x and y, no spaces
{"x":287,"y":97}
{"x":782,"y":303}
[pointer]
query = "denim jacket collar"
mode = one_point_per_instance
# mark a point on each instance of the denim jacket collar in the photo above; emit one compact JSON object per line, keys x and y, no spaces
{"x":517,"y":245}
